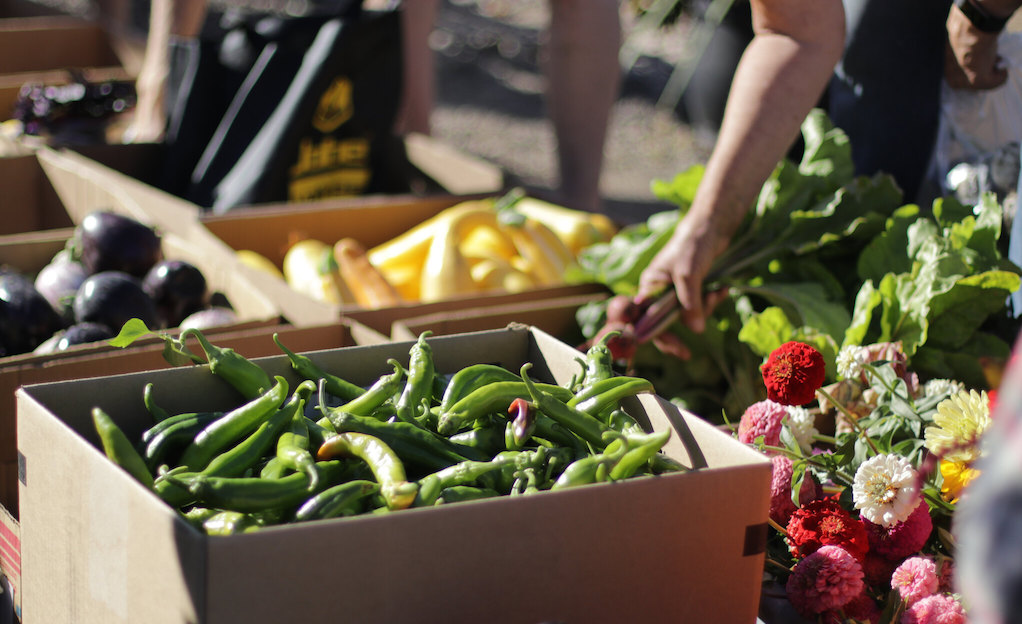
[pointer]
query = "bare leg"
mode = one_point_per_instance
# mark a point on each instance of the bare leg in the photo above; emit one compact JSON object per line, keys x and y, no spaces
{"x":583,"y":79}
{"x":417,"y":17}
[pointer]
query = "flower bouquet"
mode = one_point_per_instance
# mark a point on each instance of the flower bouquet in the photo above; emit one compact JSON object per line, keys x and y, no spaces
{"x":867,"y":472}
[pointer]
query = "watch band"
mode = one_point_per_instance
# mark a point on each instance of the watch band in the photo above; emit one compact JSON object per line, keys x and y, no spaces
{"x":980,"y":17}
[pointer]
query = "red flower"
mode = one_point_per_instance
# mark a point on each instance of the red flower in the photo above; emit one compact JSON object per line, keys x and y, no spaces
{"x":825,"y":522}
{"x":793,"y":373}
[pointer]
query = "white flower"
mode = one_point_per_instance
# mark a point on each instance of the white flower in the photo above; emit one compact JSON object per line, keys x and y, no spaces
{"x":939,"y":387}
{"x":802,"y":424}
{"x":885,"y":490}
{"x":850,"y":360}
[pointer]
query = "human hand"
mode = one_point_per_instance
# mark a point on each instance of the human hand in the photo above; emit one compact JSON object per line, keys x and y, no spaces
{"x":684,"y":263}
{"x":971,"y":60}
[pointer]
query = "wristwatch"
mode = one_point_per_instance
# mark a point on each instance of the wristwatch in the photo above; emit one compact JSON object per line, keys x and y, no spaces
{"x":980,"y":17}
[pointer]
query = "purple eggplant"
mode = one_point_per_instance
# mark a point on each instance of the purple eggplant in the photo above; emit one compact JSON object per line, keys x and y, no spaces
{"x":112,"y":298}
{"x":215,"y":316}
{"x":178,"y":288}
{"x":108,"y":241}
{"x":58,"y":282}
{"x":26,"y":317}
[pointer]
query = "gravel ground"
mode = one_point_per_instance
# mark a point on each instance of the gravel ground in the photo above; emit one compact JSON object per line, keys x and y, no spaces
{"x":490,"y":100}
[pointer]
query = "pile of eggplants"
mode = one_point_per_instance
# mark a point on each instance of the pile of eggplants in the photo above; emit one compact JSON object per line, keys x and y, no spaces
{"x":415,"y":437}
{"x":113,"y":269}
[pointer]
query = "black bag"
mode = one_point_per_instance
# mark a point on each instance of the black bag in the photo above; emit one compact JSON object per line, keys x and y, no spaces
{"x":270,"y":108}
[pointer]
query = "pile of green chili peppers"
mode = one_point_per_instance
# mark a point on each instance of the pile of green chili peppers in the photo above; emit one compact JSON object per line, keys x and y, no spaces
{"x":415,"y":437}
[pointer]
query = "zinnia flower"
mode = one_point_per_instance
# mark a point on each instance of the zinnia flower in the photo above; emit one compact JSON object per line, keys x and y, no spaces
{"x":849,"y":361}
{"x":915,"y":579}
{"x":957,"y":476}
{"x":885,"y":490}
{"x":827,"y":579}
{"x":825,"y":522}
{"x":763,"y":418}
{"x":959,"y":422}
{"x":802,"y":425}
{"x":935,"y":609}
{"x":903,"y":538}
{"x":793,"y":373}
{"x":781,"y":505}
{"x":938,"y":387}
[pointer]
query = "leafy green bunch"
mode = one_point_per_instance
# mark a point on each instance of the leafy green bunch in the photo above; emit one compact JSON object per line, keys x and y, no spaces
{"x":826,"y":258}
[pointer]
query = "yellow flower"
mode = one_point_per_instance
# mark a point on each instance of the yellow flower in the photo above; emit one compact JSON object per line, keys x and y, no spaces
{"x":959,"y":422}
{"x":957,"y":476}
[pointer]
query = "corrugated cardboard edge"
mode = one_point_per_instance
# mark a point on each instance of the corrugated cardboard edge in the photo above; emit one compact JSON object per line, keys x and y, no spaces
{"x":10,"y":558}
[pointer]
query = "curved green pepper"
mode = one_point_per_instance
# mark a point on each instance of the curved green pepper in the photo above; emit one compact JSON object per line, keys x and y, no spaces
{"x":387,"y":467}
{"x":233,"y":425}
{"x":242,"y":374}
{"x":119,"y":448}
{"x":307,"y":369}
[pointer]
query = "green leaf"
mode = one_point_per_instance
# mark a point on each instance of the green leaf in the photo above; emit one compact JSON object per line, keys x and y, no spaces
{"x":867,"y":300}
{"x":680,"y":190}
{"x":827,"y":152}
{"x":957,"y":313}
{"x":132,"y":330}
{"x":887,"y":252}
{"x":766,"y":331}
{"x":807,"y":305}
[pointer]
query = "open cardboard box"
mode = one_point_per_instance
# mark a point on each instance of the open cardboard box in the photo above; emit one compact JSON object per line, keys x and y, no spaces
{"x":555,"y":316}
{"x":97,"y":546}
{"x":29,"y":253}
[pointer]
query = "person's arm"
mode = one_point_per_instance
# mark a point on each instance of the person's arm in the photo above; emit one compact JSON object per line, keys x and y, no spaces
{"x":971,"y":60}
{"x":167,"y":18}
{"x":780,"y":78}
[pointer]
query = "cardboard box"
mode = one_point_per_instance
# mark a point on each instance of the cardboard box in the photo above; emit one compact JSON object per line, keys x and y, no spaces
{"x":555,"y":316}
{"x":96,"y":546}
{"x":42,"y":49}
{"x":32,"y":201}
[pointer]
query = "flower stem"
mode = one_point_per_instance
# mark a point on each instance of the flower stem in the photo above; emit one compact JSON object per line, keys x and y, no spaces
{"x":778,"y":564}
{"x":851,"y":418}
{"x":778,"y":527}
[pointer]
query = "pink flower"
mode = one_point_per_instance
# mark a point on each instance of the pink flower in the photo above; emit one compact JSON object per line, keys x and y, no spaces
{"x":793,"y":373}
{"x":762,"y":419}
{"x":878,"y":570}
{"x":902,"y":539}
{"x":935,"y":609}
{"x":946,"y":577}
{"x":781,"y":506}
{"x":827,"y":579}
{"x":915,"y":579}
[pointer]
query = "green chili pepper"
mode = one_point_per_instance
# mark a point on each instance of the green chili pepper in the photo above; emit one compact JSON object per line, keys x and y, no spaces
{"x":307,"y":369}
{"x":387,"y":467}
{"x":461,"y":473}
{"x":379,"y":393}
{"x":418,"y":382}
{"x":606,"y":395}
{"x":581,"y":424}
{"x":412,"y":443}
{"x":229,"y":523}
{"x":471,"y":378}
{"x":233,"y":462}
{"x":255,"y":494}
{"x":158,"y":413}
{"x":274,"y":468}
{"x":242,"y":374}
{"x":119,"y":448}
{"x":463,"y":493}
{"x":641,"y":450}
{"x":486,"y":438}
{"x":594,"y":468}
{"x":172,"y":421}
{"x":339,"y":500}
{"x":488,"y":399}
{"x":232,"y":426}
{"x":599,"y":361}
{"x":181,"y":429}
{"x":293,"y":447}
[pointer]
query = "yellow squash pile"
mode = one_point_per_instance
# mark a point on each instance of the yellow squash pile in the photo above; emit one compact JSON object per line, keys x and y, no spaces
{"x":472,"y":247}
